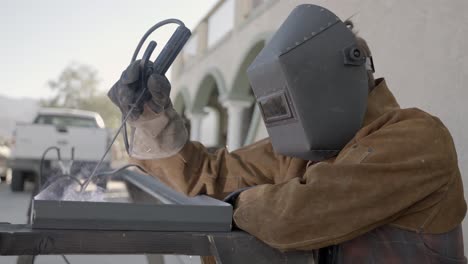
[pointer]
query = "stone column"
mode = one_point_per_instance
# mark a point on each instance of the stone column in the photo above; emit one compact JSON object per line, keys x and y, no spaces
{"x":195,"y":124}
{"x":202,"y":33}
{"x":235,"y":109}
{"x":241,"y":11}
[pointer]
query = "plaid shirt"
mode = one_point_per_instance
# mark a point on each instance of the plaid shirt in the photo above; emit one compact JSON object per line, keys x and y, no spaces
{"x":389,"y":244}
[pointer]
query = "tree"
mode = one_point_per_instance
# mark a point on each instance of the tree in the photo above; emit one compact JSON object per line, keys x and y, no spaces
{"x":77,"y":87}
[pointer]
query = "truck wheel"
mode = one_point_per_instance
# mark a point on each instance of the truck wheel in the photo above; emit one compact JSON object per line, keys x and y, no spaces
{"x":17,"y":181}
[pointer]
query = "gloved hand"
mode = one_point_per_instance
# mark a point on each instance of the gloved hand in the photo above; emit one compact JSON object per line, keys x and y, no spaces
{"x":157,"y":131}
{"x":128,"y":88}
{"x":232,"y":197}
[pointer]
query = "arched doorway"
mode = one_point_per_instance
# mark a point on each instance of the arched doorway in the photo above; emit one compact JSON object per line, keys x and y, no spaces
{"x":208,"y":116}
{"x":240,"y":103}
{"x":181,"y":105}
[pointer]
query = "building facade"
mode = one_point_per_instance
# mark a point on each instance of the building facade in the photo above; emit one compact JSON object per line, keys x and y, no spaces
{"x":419,"y":46}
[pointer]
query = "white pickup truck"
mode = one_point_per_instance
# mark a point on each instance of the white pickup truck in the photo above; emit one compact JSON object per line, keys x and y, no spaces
{"x":60,"y":127}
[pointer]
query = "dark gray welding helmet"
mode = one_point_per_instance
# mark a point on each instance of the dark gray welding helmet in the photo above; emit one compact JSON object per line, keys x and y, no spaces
{"x":310,"y":81}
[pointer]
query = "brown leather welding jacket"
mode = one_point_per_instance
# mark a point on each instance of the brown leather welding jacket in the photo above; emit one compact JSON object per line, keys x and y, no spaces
{"x":400,"y":170}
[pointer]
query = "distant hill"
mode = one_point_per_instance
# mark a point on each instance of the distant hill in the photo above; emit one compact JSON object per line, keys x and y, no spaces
{"x":14,"y":110}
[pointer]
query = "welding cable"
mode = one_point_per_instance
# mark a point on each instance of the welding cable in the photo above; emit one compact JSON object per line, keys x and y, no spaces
{"x":123,"y":125}
{"x":115,"y":172}
{"x":146,"y":55}
{"x":38,"y":186}
{"x":56,"y":179}
{"x":65,"y":259}
{"x":41,"y":165}
{"x":151,"y":30}
{"x":59,"y":178}
{"x":33,"y":260}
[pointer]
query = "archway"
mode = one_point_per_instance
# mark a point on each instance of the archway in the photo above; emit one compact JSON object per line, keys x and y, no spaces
{"x":240,"y":103}
{"x":208,"y":116}
{"x":181,"y":105}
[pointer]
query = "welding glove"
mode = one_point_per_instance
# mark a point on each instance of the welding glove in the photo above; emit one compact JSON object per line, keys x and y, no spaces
{"x":156,"y":129}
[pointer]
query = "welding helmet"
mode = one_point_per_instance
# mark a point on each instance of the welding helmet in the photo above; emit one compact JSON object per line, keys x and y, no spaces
{"x":310,"y":82}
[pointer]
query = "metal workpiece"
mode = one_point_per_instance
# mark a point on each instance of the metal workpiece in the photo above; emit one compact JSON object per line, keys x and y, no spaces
{"x":229,"y":247}
{"x":130,"y":216}
{"x":173,"y":212}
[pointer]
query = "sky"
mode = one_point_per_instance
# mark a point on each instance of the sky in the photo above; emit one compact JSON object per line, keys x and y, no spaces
{"x":38,"y":39}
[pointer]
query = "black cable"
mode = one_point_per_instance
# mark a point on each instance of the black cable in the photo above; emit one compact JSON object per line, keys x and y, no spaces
{"x":113,"y":173}
{"x":54,"y":180}
{"x":65,"y":259}
{"x":123,"y":125}
{"x":57,"y":179}
{"x":106,"y":173}
{"x":41,"y":165}
{"x":151,"y":30}
{"x":142,"y":80}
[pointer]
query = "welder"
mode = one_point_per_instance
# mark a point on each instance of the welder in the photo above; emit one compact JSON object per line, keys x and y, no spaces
{"x":345,"y":171}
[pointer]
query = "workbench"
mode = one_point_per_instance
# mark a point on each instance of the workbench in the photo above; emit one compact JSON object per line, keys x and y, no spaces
{"x":226,"y":247}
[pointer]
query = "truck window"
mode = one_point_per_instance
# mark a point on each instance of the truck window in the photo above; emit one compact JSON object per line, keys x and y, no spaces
{"x":73,"y":121}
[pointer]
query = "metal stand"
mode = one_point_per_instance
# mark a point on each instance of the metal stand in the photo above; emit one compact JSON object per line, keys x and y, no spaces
{"x":226,"y":247}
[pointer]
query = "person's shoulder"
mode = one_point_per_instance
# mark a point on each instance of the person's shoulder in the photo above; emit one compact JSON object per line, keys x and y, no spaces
{"x":418,"y":126}
{"x":413,"y":124}
{"x":421,"y":117}
{"x":411,"y":134}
